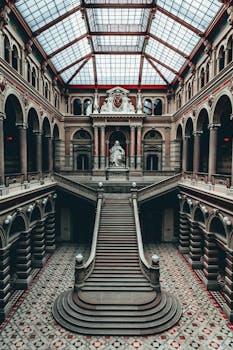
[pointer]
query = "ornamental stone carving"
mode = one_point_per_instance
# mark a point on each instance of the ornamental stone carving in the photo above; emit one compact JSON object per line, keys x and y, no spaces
{"x":117,"y":102}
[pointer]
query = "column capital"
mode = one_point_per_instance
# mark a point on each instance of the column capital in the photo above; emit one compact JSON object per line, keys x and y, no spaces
{"x":38,"y":133}
{"x":22,"y":125}
{"x":102,"y":127}
{"x":214,"y":126}
{"x":132,"y":127}
{"x":197,"y":133}
{"x":139,"y":127}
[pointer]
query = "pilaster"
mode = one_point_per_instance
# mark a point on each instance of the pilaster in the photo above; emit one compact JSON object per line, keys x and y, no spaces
{"x":210,"y":262}
{"x":184,"y":233}
{"x":4,"y":283}
{"x":228,"y":288}
{"x":23,"y":262}
{"x":50,"y":233}
{"x":38,"y":244}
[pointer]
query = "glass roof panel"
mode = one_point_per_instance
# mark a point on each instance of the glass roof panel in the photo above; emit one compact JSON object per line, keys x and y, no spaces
{"x":62,"y":33}
{"x":199,"y":13}
{"x":67,"y":74}
{"x":150,"y":76}
{"x":117,"y":69}
{"x":119,"y":1}
{"x":165,"y":72}
{"x":72,"y":53}
{"x":118,"y":20}
{"x":38,"y":13}
{"x":164,"y":54}
{"x":118,"y":43}
{"x":174,"y":33}
{"x":85,"y":75}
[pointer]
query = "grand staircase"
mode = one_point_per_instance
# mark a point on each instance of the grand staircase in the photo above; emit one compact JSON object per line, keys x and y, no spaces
{"x":116,"y":298}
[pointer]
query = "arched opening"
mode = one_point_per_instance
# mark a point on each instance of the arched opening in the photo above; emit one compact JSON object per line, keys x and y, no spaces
{"x":34,"y":77}
{"x":202,"y":127}
{"x":179,"y":140}
{"x":207,"y":73}
{"x":7,"y":49}
{"x":202,"y":77}
{"x":186,"y":208}
{"x":147,"y":107}
{"x":199,"y":240}
{"x":46,"y":134}
{"x":46,"y":90}
{"x":222,"y":115}
{"x":229,"y":50}
{"x":14,"y":115}
{"x":55,"y":143}
{"x":28,"y":72}
{"x":82,"y":150}
{"x":15,"y":58}
{"x":221,"y":59}
{"x":77,"y":107}
{"x":48,"y":207}
{"x":152,"y":151}
{"x":158,"y":107}
{"x":33,"y":127}
{"x":190,"y":144}
{"x":189,"y":91}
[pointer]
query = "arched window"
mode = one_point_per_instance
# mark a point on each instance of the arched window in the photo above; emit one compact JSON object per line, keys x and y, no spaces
{"x":7,"y":49}
{"x":207,"y":72}
{"x":15,"y":58}
{"x":179,"y":103}
{"x":33,"y":77}
{"x":147,"y":107}
{"x":77,"y":107}
{"x":202,"y":78}
{"x":189,"y":91}
{"x":221,"y":59}
{"x":28,"y":72}
{"x":229,"y":50}
{"x":158,"y":107}
{"x":56,"y":100}
{"x":46,"y":90}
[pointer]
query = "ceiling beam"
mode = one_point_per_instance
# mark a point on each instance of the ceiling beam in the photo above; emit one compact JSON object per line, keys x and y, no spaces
{"x":95,"y":70}
{"x":179,"y":20}
{"x":157,"y":70}
{"x":60,"y":49}
{"x":118,"y":33}
{"x":55,"y":21}
{"x":181,"y":53}
{"x":161,"y":63}
{"x":140,"y":70}
{"x":78,"y":70}
{"x":117,"y":6}
{"x":75,"y":62}
{"x":117,"y":52}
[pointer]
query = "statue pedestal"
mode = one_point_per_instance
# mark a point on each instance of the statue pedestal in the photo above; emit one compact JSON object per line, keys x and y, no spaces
{"x":117,"y":172}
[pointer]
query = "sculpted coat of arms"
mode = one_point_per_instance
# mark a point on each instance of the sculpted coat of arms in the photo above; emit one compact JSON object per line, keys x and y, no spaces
{"x":117,"y":102}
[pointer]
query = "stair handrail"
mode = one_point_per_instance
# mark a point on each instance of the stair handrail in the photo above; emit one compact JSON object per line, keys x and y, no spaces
{"x":150,"y":188}
{"x":83,"y":270}
{"x":77,"y":185}
{"x":151,"y":272}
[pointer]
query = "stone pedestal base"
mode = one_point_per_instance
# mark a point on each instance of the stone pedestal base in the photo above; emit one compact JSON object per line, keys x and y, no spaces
{"x":117,"y":172}
{"x":4,"y":190}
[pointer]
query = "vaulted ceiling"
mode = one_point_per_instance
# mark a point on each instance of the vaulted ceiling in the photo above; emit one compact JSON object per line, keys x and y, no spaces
{"x":118,"y":42}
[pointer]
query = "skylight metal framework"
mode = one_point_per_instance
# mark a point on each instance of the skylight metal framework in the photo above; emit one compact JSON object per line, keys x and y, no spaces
{"x":118,"y":42}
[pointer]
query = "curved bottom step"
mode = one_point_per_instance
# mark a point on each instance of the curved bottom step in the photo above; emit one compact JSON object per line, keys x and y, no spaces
{"x":156,"y":315}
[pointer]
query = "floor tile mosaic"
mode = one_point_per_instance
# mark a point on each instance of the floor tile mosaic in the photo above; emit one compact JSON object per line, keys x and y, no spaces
{"x":203,"y":325}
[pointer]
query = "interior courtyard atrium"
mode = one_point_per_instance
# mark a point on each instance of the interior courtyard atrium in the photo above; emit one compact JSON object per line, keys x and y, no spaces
{"x":116,"y":174}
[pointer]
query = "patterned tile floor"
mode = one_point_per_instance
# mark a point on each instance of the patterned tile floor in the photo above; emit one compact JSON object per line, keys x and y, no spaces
{"x":31,"y":326}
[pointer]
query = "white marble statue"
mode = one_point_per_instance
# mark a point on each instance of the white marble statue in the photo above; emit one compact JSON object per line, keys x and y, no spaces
{"x":117,"y":155}
{"x":89,"y":108}
{"x":117,"y":102}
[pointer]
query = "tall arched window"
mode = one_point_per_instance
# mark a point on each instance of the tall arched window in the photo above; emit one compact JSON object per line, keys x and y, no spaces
{"x":158,"y":107}
{"x":202,"y":78}
{"x":207,"y":73}
{"x":33,"y":77}
{"x":77,"y":107}
{"x":221,"y":59}
{"x":189,"y":91}
{"x":46,"y":90}
{"x":7,"y":49}
{"x":229,"y":50}
{"x":147,"y":107}
{"x":28,"y":72}
{"x":15,"y":58}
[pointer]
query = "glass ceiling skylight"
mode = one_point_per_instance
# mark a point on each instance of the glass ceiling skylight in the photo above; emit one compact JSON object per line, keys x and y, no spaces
{"x":120,"y":26}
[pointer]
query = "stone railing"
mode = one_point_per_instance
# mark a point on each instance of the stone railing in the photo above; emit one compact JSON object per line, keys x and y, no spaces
{"x":12,"y":179}
{"x":159,"y":187}
{"x":151,"y":272}
{"x":83,"y":270}
{"x":75,"y":187}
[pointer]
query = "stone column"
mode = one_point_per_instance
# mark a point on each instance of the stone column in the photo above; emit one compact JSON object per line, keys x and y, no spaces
{"x":50,"y":154}
{"x":96,"y":147}
{"x":196,"y":150}
{"x":210,"y":262}
{"x":185,"y":153}
{"x":212,"y":150}
{"x":4,"y":283}
{"x":2,"y":54}
{"x":184,"y":234}
{"x":23,"y":150}
{"x":38,"y":244}
{"x":102,"y":147}
{"x":38,"y":137}
{"x":167,"y":162}
{"x":139,"y":147}
{"x":23,"y":262}
{"x":132,"y":147}
{"x":107,"y":153}
{"x":196,"y":249}
{"x":127,"y":154}
{"x":67,"y":147}
{"x":228,"y":288}
{"x":50,"y":233}
{"x":2,"y":164}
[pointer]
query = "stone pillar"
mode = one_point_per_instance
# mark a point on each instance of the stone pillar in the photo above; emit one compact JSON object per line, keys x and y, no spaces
{"x":67,"y":147}
{"x":23,"y":150}
{"x":167,"y":162}
{"x":132,"y":147}
{"x":196,"y":151}
{"x":185,"y":153}
{"x":127,"y":153}
{"x":96,"y":147}
{"x":196,"y":249}
{"x":23,"y":262}
{"x":38,"y":244}
{"x":4,"y":283}
{"x":107,"y":153}
{"x":184,"y":234}
{"x":102,"y":147}
{"x":2,"y":165}
{"x":50,"y":154}
{"x":210,"y":262}
{"x":212,"y":150}
{"x":38,"y":137}
{"x":228,"y":288}
{"x":2,"y":53}
{"x":139,"y":147}
{"x":50,"y":233}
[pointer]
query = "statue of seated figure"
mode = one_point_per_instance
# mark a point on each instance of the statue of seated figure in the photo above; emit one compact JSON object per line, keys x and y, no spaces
{"x":117,"y":155}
